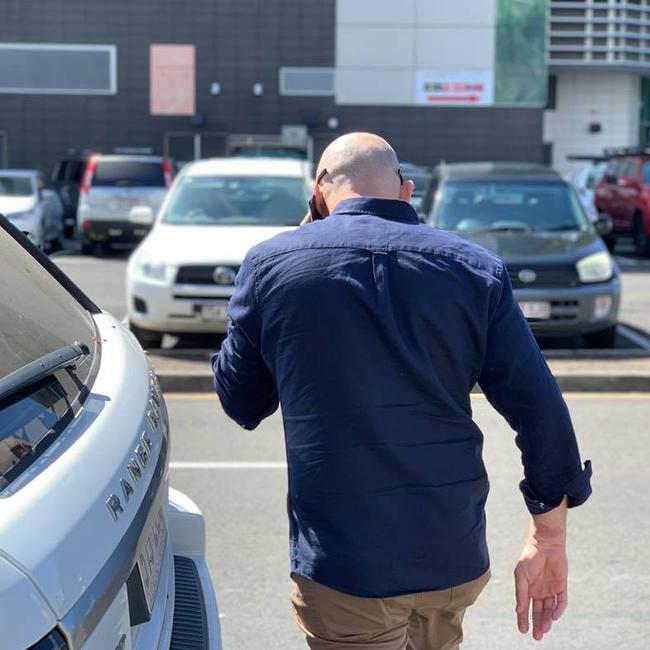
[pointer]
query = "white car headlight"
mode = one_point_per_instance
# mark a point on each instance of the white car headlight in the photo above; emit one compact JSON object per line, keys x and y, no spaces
{"x":151,"y":269}
{"x":597,"y":267}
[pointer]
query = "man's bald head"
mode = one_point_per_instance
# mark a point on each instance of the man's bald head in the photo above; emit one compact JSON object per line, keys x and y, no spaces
{"x":362,"y":163}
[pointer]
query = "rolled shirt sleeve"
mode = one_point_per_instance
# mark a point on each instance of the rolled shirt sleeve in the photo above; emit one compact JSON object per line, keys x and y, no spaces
{"x":241,"y":378}
{"x":518,"y":383}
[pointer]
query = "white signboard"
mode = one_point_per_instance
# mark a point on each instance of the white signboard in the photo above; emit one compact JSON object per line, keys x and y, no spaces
{"x":454,"y":87}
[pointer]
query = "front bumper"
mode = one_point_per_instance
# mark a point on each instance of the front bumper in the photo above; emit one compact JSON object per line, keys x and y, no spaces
{"x":176,"y":309}
{"x":119,"y":232}
{"x":573,"y":309}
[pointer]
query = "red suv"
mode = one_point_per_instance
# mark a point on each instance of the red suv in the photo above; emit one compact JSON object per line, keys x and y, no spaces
{"x":624,"y":194}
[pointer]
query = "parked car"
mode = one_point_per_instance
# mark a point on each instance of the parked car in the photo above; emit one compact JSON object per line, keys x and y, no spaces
{"x":562,"y":274}
{"x":584,"y":181}
{"x":66,"y":180}
{"x":34,"y":210}
{"x":180,"y":278}
{"x":96,"y":551}
{"x":112,"y":186}
{"x":624,"y":194}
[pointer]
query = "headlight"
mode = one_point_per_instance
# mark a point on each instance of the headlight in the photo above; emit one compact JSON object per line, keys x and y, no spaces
{"x":151,"y":269}
{"x":53,"y":641}
{"x":597,"y":267}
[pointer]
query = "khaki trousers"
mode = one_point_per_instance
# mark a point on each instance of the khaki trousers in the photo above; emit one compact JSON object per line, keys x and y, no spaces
{"x":430,"y":620}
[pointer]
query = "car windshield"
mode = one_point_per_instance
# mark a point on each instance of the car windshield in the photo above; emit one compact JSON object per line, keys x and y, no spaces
{"x":238,"y":200}
{"x":15,"y":185}
{"x":508,"y":205}
{"x":37,"y":317}
{"x":128,"y":173}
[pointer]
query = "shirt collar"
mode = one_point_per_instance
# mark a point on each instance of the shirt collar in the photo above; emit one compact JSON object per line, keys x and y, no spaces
{"x":393,"y":209}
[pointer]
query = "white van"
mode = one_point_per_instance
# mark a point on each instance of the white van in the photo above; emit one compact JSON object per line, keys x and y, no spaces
{"x":96,"y":551}
{"x":180,"y":278}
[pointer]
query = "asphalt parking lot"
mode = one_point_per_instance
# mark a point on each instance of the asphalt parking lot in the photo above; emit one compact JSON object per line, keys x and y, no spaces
{"x":239,"y":480}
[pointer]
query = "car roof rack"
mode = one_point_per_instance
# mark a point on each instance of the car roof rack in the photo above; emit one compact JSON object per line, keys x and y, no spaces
{"x":596,"y":158}
{"x":612,"y":152}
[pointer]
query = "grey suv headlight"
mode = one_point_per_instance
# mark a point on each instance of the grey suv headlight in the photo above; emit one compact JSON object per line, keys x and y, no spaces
{"x":597,"y":267}
{"x":53,"y":641}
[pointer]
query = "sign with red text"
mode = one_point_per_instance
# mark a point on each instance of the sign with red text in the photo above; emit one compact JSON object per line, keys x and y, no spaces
{"x":172,"y":75}
{"x":454,"y":87}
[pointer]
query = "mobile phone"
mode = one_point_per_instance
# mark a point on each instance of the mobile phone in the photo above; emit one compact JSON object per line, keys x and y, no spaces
{"x":313,"y":210}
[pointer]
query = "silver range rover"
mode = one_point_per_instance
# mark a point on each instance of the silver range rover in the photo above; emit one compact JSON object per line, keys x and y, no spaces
{"x":97,"y":552}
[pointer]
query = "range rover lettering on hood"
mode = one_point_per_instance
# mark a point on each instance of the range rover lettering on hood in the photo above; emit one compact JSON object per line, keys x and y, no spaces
{"x":139,"y":461}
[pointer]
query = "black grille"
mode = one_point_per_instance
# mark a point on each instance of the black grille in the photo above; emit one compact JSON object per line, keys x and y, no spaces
{"x":200,"y":274}
{"x":190,"y":630}
{"x":548,"y":277}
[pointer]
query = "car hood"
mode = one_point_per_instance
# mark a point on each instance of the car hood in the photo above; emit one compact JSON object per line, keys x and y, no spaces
{"x":205,"y":244}
{"x":538,"y":246}
{"x":12,"y":204}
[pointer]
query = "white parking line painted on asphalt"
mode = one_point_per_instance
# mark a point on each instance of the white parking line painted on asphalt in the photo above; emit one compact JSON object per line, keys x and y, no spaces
{"x":232,"y":464}
{"x":634,"y":337}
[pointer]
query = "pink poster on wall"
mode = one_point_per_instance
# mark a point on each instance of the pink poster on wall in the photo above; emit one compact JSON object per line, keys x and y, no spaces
{"x":172,"y":70}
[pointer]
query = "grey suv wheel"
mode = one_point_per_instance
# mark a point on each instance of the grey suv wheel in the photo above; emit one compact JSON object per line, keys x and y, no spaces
{"x":601,"y":339}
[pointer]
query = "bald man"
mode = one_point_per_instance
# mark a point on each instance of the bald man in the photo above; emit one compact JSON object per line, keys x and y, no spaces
{"x":371,"y":330}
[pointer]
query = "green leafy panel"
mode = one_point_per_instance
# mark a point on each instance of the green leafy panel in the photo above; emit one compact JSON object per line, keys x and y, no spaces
{"x":520,"y":67}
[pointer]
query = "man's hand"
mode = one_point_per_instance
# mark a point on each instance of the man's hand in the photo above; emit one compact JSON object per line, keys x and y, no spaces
{"x":542,"y":572}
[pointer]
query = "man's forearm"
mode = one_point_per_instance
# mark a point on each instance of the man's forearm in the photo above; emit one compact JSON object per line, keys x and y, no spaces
{"x":549,"y":528}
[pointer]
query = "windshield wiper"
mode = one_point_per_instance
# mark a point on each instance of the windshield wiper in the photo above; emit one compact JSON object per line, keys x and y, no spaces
{"x":498,"y":229}
{"x":560,"y":227}
{"x":66,"y":357}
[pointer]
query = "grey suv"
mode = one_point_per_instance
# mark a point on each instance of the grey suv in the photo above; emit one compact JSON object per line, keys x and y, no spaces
{"x":563,"y":276}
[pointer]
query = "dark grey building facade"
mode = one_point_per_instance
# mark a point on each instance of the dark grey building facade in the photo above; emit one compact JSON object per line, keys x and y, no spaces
{"x":239,"y":43}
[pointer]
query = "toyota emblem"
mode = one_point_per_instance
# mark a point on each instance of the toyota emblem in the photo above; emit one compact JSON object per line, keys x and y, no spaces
{"x":527,"y":276}
{"x":224,"y":275}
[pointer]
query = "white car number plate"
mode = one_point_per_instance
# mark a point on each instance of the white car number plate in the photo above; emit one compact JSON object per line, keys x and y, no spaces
{"x":537,"y":310}
{"x":150,"y":557}
{"x":214,"y":312}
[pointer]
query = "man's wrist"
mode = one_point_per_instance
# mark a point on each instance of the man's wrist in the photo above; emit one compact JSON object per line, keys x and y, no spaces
{"x":549,"y":528}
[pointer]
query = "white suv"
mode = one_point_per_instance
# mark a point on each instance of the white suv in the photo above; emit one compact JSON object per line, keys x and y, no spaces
{"x":182,"y":275}
{"x":96,"y":552}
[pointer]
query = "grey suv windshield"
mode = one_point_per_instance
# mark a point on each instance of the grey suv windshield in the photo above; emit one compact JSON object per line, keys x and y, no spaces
{"x":245,"y":200}
{"x":498,"y":205}
{"x":37,"y":316}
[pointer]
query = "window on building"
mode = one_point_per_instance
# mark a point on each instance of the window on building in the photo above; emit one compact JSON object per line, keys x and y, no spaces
{"x":551,"y":93}
{"x":43,"y":68}
{"x":307,"y":81}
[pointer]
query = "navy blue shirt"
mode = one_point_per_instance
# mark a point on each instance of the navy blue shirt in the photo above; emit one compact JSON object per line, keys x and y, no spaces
{"x":371,"y":330}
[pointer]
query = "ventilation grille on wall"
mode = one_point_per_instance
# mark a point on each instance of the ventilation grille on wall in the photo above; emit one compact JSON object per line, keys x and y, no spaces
{"x":307,"y":81}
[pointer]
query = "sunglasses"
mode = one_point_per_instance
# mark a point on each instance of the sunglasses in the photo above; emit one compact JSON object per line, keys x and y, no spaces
{"x":325,"y":172}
